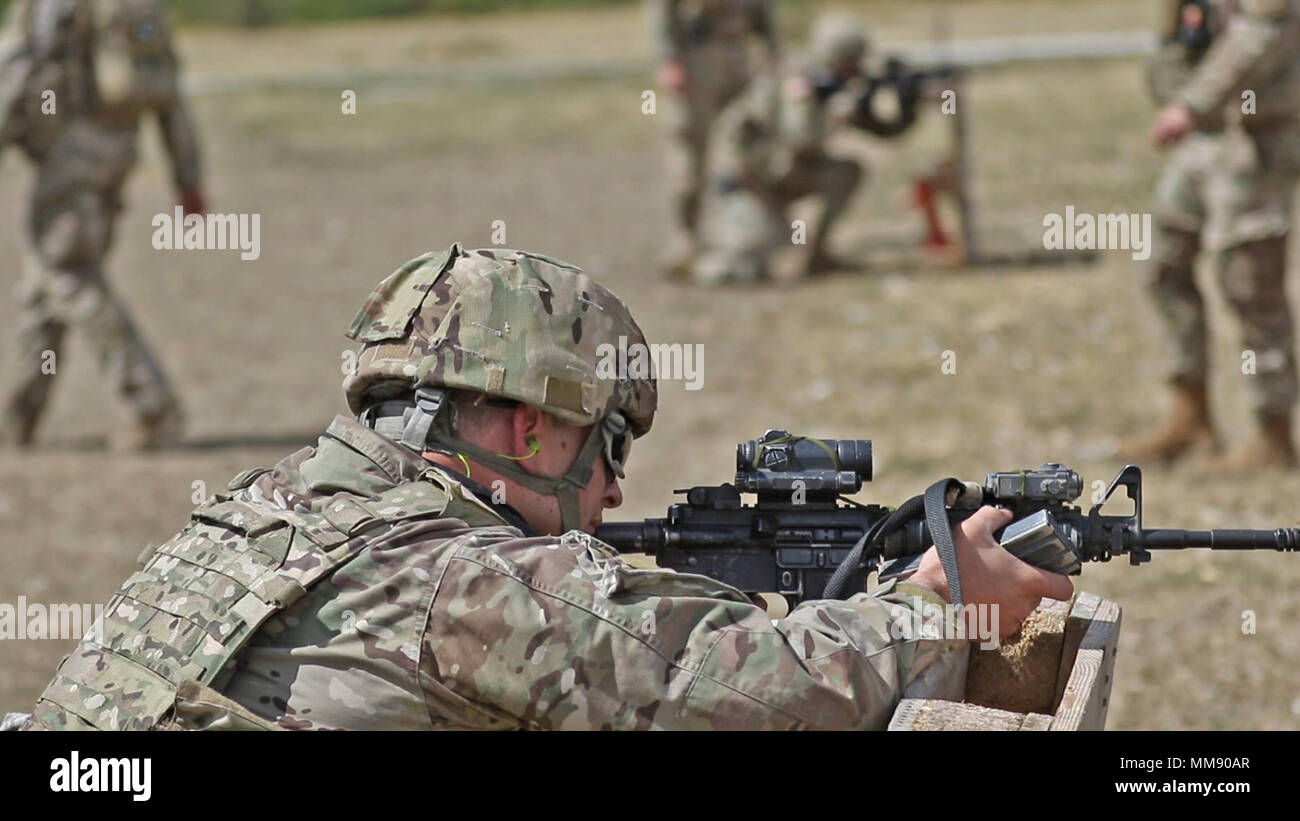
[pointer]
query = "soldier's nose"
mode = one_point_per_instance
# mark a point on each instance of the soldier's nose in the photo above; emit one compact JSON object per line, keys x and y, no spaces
{"x":613,"y":494}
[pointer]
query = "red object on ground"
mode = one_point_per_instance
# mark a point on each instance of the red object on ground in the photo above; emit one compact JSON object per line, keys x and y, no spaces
{"x":935,"y":236}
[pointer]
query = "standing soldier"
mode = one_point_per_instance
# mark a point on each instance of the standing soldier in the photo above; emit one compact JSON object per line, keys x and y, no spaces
{"x":769,"y":150}
{"x":706,"y":47}
{"x":1229,"y":83}
{"x":75,"y":78}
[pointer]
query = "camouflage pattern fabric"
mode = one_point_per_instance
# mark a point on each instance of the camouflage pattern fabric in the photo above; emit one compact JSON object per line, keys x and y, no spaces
{"x":109,"y":62}
{"x":443,"y":616}
{"x":769,"y":150}
{"x":505,"y":323}
{"x":712,"y":39}
{"x":1228,"y":188}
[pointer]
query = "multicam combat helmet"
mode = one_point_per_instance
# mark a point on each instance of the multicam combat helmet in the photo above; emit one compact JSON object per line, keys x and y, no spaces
{"x":837,"y":40}
{"x":506,"y":324}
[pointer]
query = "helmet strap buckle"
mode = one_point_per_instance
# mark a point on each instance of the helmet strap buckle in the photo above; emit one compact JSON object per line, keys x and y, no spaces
{"x":428,"y":403}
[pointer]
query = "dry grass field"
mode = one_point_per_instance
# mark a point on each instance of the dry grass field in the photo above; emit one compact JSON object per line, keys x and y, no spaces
{"x":1052,"y":363}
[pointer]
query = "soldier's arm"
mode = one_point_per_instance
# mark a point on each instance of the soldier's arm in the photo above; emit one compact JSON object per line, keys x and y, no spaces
{"x":15,"y":67}
{"x":803,"y":132}
{"x":766,"y":27}
{"x":182,"y":144}
{"x":561,"y":634}
{"x":178,"y":132}
{"x":1168,"y":73}
{"x":22,"y":47}
{"x":1259,"y":40}
{"x":748,"y":141}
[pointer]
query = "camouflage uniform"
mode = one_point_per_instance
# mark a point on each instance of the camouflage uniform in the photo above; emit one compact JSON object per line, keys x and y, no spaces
{"x":356,"y":585}
{"x":711,"y":39}
{"x":109,"y":62}
{"x":1227,"y":189}
{"x":769,"y":150}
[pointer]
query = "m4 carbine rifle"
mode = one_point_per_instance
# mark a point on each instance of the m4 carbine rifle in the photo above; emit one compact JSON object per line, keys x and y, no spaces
{"x":908,"y":85}
{"x":804,"y":541}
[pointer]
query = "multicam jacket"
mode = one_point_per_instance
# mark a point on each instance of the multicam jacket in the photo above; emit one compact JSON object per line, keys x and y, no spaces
{"x":682,"y":25}
{"x":776,"y":129}
{"x":1255,"y":49}
{"x":105,"y":63}
{"x":357,"y":586}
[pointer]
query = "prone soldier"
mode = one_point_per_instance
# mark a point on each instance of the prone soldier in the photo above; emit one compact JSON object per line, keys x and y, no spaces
{"x":708,"y":55}
{"x":76,"y":76}
{"x":1228,"y":78}
{"x":429,"y":563}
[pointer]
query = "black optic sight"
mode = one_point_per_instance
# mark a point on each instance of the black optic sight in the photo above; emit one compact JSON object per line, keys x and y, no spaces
{"x":783,"y":464}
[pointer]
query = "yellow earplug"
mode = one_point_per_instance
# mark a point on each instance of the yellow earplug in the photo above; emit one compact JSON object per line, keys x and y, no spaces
{"x":533,"y":448}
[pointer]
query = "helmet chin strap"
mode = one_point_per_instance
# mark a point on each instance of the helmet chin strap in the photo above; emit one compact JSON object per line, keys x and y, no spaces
{"x":429,"y":425}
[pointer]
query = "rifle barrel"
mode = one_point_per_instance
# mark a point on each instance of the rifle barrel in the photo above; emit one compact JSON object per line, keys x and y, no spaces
{"x":1284,"y":539}
{"x":628,"y":537}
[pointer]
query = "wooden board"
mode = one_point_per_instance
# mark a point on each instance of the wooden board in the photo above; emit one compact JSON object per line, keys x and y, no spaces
{"x":1086,"y":698}
{"x":1076,"y":625}
{"x":1084,"y":680}
{"x":933,"y":714}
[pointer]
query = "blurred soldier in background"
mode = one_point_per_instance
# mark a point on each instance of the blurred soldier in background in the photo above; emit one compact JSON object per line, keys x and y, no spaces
{"x":1229,"y":80}
{"x":769,"y":150}
{"x":707,"y":48}
{"x":76,"y":76}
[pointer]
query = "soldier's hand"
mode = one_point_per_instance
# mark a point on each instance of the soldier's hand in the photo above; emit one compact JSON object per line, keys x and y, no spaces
{"x":192,"y":201}
{"x":991,"y":575}
{"x":672,"y":75}
{"x":1172,"y":123}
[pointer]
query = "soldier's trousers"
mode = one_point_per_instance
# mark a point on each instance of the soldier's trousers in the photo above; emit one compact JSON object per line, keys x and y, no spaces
{"x":1230,"y":194}
{"x":64,"y":286}
{"x":833,"y":180}
{"x":716,"y":73}
{"x":745,"y":226}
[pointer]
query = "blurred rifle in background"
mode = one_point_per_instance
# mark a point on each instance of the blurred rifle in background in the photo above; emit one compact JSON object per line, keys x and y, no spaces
{"x":942,"y":83}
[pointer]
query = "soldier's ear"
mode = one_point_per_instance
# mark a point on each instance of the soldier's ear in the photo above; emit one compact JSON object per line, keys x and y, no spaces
{"x":528,"y":428}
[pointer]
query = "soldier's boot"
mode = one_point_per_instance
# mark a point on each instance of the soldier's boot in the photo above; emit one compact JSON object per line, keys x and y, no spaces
{"x":152,"y":430}
{"x":825,"y":262}
{"x":40,"y":340}
{"x":678,"y":260}
{"x":1188,"y":429}
{"x":18,"y":425}
{"x":1271,"y":447}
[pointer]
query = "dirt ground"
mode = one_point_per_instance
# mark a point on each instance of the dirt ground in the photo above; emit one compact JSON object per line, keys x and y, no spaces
{"x":1052,"y":363}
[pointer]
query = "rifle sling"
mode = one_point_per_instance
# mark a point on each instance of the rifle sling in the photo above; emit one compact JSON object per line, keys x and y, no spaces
{"x":936,"y":518}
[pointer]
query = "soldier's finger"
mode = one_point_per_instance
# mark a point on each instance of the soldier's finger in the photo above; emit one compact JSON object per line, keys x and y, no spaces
{"x":985,"y":521}
{"x":1051,"y":585}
